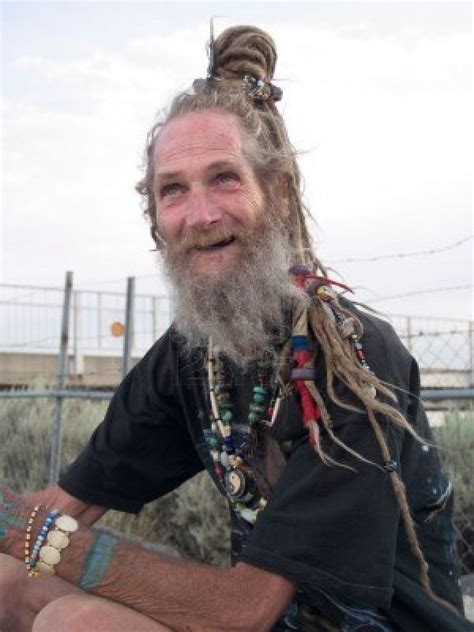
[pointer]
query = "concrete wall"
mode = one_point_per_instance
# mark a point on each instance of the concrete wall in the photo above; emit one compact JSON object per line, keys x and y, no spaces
{"x":24,"y":369}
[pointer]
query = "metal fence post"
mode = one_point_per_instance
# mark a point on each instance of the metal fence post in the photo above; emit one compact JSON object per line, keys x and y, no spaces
{"x":77,"y":324}
{"x":471,"y":351}
{"x":54,"y":463}
{"x":128,"y":337}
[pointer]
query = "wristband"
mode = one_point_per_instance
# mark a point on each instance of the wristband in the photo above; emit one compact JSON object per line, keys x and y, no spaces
{"x":57,"y":540}
{"x":29,"y":527}
{"x":39,"y":542}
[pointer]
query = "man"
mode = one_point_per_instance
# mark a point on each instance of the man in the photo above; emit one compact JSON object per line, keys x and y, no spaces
{"x":275,"y":384}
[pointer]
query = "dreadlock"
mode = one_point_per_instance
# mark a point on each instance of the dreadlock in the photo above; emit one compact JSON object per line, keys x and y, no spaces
{"x":248,"y":51}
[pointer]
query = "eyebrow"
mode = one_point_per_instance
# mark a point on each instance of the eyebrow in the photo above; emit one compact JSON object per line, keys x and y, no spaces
{"x":166,"y":176}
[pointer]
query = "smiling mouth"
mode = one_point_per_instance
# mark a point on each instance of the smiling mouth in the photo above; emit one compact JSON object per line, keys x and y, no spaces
{"x":219,"y":245}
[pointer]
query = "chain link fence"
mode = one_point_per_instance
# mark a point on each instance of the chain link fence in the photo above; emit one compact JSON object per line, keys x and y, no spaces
{"x":101,"y":333}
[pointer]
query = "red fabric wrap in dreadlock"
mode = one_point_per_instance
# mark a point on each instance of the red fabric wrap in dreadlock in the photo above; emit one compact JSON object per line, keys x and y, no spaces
{"x":303,"y":374}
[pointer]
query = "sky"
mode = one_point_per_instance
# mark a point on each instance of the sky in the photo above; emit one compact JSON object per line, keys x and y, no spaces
{"x":377,"y":100}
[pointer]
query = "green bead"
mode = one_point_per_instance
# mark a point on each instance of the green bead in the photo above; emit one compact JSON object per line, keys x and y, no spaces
{"x":253,"y":417}
{"x":227,"y":416}
{"x":259,"y":398}
{"x":226,"y":406}
{"x":213,"y":442}
{"x":260,"y":390}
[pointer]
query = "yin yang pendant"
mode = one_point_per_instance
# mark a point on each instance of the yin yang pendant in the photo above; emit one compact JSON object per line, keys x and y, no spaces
{"x":235,"y":484}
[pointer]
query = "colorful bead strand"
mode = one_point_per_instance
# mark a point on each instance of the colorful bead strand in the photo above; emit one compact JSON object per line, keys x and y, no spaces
{"x":230,"y":466}
{"x":29,"y":527}
{"x":39,"y":541}
{"x":346,"y":326}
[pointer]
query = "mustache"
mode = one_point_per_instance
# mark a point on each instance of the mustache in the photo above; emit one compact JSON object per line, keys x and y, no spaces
{"x":214,"y":235}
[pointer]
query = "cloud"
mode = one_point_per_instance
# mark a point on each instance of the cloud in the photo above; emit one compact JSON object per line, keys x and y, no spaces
{"x":384,"y":115}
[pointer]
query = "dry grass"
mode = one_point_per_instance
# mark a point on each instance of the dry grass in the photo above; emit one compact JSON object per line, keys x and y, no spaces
{"x":193,"y":519}
{"x":456,"y":440}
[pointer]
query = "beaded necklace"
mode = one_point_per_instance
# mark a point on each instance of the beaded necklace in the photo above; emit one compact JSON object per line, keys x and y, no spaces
{"x":230,"y":460}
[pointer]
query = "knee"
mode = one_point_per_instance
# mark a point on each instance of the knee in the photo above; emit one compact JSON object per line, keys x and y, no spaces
{"x":12,"y":583}
{"x":62,"y":614}
{"x":71,"y":612}
{"x":87,"y":613}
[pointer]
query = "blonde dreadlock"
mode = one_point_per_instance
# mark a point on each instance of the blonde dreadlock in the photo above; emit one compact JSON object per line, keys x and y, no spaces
{"x":248,"y":51}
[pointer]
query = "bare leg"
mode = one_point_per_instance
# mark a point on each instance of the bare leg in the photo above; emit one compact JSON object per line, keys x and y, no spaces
{"x":53,"y":605}
{"x":21,"y":597}
{"x":84,"y":613}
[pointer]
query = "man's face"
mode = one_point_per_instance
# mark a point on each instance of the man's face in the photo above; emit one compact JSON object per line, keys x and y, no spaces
{"x":208,"y":200}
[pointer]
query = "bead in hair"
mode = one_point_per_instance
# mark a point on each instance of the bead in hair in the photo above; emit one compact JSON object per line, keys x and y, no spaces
{"x":260,"y":90}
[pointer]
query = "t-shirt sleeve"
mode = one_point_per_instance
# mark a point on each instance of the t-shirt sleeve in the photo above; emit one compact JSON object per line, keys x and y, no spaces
{"x":330,"y":529}
{"x":142,"y":449}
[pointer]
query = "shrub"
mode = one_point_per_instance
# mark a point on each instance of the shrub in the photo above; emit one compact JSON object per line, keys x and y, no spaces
{"x":193,"y":520}
{"x":456,"y":441}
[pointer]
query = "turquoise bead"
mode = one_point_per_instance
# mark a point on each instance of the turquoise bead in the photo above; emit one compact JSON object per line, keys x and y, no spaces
{"x":259,"y":398}
{"x":260,"y":390}
{"x":256,"y":408}
{"x":253,"y":417}
{"x":213,"y":442}
{"x":227,"y":416}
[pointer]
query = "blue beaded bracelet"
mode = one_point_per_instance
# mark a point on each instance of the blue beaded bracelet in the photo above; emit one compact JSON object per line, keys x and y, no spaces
{"x":41,"y":538}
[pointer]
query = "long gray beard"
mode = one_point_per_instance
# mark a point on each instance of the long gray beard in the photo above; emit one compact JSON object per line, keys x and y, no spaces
{"x":244,"y":310}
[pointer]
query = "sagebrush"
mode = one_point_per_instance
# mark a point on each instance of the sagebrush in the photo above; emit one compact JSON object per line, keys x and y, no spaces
{"x":194,"y":519}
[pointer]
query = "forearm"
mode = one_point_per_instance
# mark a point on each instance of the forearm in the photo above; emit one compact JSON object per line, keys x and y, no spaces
{"x":182,"y":596}
{"x":56,"y":497}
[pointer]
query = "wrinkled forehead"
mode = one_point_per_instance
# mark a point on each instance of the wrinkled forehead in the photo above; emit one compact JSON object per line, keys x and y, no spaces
{"x":197,"y":134}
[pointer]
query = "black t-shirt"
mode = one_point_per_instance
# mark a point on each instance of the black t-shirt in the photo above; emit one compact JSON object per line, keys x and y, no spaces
{"x":336,"y":532}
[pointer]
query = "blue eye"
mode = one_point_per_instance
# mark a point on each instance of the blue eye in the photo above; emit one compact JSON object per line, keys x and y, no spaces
{"x":227,"y":178}
{"x":171,"y":189}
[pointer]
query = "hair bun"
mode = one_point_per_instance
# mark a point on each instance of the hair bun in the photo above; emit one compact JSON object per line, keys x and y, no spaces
{"x":243,"y":50}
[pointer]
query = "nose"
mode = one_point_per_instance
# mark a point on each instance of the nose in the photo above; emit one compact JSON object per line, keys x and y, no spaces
{"x":201,"y":212}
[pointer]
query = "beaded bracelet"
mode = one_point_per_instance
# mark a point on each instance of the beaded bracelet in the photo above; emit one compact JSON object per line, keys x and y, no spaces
{"x":58,"y":539}
{"x":29,"y":527}
{"x":39,"y":542}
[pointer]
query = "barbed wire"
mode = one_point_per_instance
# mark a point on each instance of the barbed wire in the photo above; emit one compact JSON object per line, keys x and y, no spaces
{"x":159,"y":331}
{"x":434,"y":334}
{"x":18,"y":299}
{"x":97,"y":336}
{"x":403,"y":255}
{"x":418,"y":292}
{"x":138,"y":277}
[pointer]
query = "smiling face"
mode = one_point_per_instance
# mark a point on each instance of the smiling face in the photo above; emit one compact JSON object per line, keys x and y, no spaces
{"x":209,"y":202}
{"x":226,"y":248}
